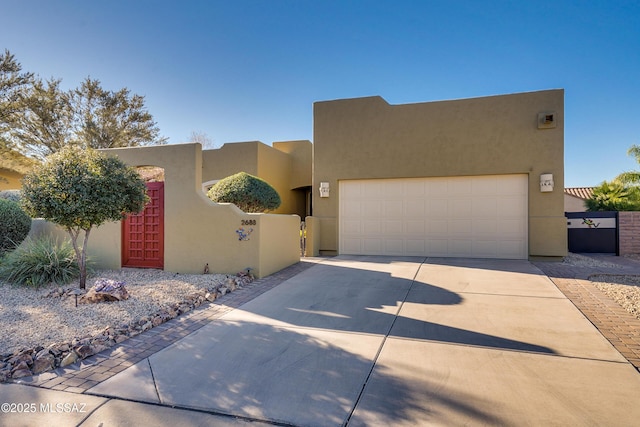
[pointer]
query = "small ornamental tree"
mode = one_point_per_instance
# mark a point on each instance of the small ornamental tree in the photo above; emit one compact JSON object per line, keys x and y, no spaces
{"x":79,"y":189}
{"x":249,"y":193}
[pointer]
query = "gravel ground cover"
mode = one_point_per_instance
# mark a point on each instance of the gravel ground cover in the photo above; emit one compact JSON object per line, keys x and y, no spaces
{"x":623,"y":289}
{"x":30,"y":317}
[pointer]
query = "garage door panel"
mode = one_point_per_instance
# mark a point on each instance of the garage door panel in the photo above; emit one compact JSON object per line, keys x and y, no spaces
{"x":438,"y":247}
{"x":394,"y":247}
{"x":435,"y":226}
{"x":416,"y":227}
{"x":461,"y":186}
{"x":351,"y":227}
{"x":393,"y":189}
{"x":371,"y":209}
{"x":371,"y":227}
{"x":482,"y":216}
{"x":393,"y":208}
{"x":512,"y":227}
{"x":485,"y":248}
{"x":512,"y":207}
{"x":351,"y":246}
{"x":372,"y":246}
{"x":393,"y":228}
{"x":459,"y":226}
{"x":488,"y":186}
{"x":371,"y":190}
{"x":509,"y":248}
{"x":437,"y":209}
{"x":351,"y":208}
{"x":414,"y":188}
{"x":486,"y":226}
{"x":459,"y":208}
{"x":414,"y":208}
{"x":416,"y":247}
{"x":437,"y":187}
{"x":485,"y":208}
{"x":460,"y":247}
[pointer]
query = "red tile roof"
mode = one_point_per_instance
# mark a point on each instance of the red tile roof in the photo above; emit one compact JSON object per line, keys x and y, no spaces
{"x":583,"y":193}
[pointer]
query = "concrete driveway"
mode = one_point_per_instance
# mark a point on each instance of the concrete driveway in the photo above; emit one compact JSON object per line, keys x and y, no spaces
{"x":390,"y":341}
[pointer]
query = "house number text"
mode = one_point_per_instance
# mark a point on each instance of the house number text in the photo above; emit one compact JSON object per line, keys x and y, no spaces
{"x":248,"y":222}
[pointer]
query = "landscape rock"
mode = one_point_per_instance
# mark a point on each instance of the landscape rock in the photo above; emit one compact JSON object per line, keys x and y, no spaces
{"x":43,"y":363}
{"x":105,"y":290}
{"x":70,"y":358}
{"x":21,"y":373}
{"x":22,"y":365}
{"x":84,"y":351}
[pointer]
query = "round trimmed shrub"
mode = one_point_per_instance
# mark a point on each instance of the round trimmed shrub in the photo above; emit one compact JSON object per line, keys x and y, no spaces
{"x":14,"y":225}
{"x":249,"y":193}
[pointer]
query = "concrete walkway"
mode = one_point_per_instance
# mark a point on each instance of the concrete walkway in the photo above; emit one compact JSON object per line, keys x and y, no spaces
{"x":370,"y":341}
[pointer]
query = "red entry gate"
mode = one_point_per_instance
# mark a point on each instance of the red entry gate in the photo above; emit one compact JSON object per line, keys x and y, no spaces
{"x":143,"y":234}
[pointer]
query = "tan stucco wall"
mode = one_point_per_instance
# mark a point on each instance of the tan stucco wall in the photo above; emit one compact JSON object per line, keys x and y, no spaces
{"x":286,"y":166}
{"x":230,"y":159}
{"x":574,"y":204}
{"x":196,"y":230}
{"x":367,"y":138}
{"x":10,"y":180}
{"x":301,"y":153}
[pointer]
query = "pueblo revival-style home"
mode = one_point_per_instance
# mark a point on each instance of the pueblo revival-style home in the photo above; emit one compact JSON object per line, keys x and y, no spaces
{"x":480,"y":177}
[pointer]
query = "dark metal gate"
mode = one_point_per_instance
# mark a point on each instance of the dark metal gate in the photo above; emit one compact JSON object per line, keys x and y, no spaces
{"x":593,"y":232}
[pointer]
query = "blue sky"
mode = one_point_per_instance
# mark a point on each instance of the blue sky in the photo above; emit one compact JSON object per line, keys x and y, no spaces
{"x":250,"y":70}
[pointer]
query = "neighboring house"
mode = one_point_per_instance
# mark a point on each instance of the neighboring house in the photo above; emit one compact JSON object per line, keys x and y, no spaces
{"x":445,"y":179}
{"x":575,"y":198}
{"x":13,"y":166}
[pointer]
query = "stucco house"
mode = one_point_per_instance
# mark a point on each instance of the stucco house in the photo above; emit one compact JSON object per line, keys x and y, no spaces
{"x":479,"y":177}
{"x":575,"y":198}
{"x":13,"y":166}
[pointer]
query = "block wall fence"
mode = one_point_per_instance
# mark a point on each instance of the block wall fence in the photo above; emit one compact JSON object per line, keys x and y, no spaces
{"x":629,"y":232}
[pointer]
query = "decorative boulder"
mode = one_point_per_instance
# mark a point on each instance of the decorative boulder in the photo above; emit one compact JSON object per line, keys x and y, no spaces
{"x":105,"y":290}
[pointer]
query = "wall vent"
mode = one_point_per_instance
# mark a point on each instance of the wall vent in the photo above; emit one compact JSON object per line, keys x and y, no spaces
{"x":546,"y":120}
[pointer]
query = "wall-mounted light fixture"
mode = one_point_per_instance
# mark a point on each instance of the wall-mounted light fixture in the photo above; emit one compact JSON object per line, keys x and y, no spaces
{"x":324,"y":189}
{"x":546,"y":182}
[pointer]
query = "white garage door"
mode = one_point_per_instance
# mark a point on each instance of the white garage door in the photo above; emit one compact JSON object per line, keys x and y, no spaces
{"x":477,"y":216}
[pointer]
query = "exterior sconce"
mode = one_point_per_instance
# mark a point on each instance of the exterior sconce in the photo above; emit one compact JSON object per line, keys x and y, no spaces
{"x":546,"y":182}
{"x":324,"y":189}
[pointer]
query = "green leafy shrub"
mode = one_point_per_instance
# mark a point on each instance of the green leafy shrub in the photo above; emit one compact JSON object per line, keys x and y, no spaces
{"x":247,"y":192}
{"x":614,"y":196}
{"x":14,"y":225}
{"x":13,"y":195}
{"x":39,"y":262}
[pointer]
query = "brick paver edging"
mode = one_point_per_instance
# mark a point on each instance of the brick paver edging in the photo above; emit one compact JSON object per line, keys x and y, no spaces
{"x":91,"y":371}
{"x":616,"y":324}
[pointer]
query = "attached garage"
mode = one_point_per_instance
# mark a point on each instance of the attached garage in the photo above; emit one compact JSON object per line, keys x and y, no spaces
{"x":473,"y":216}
